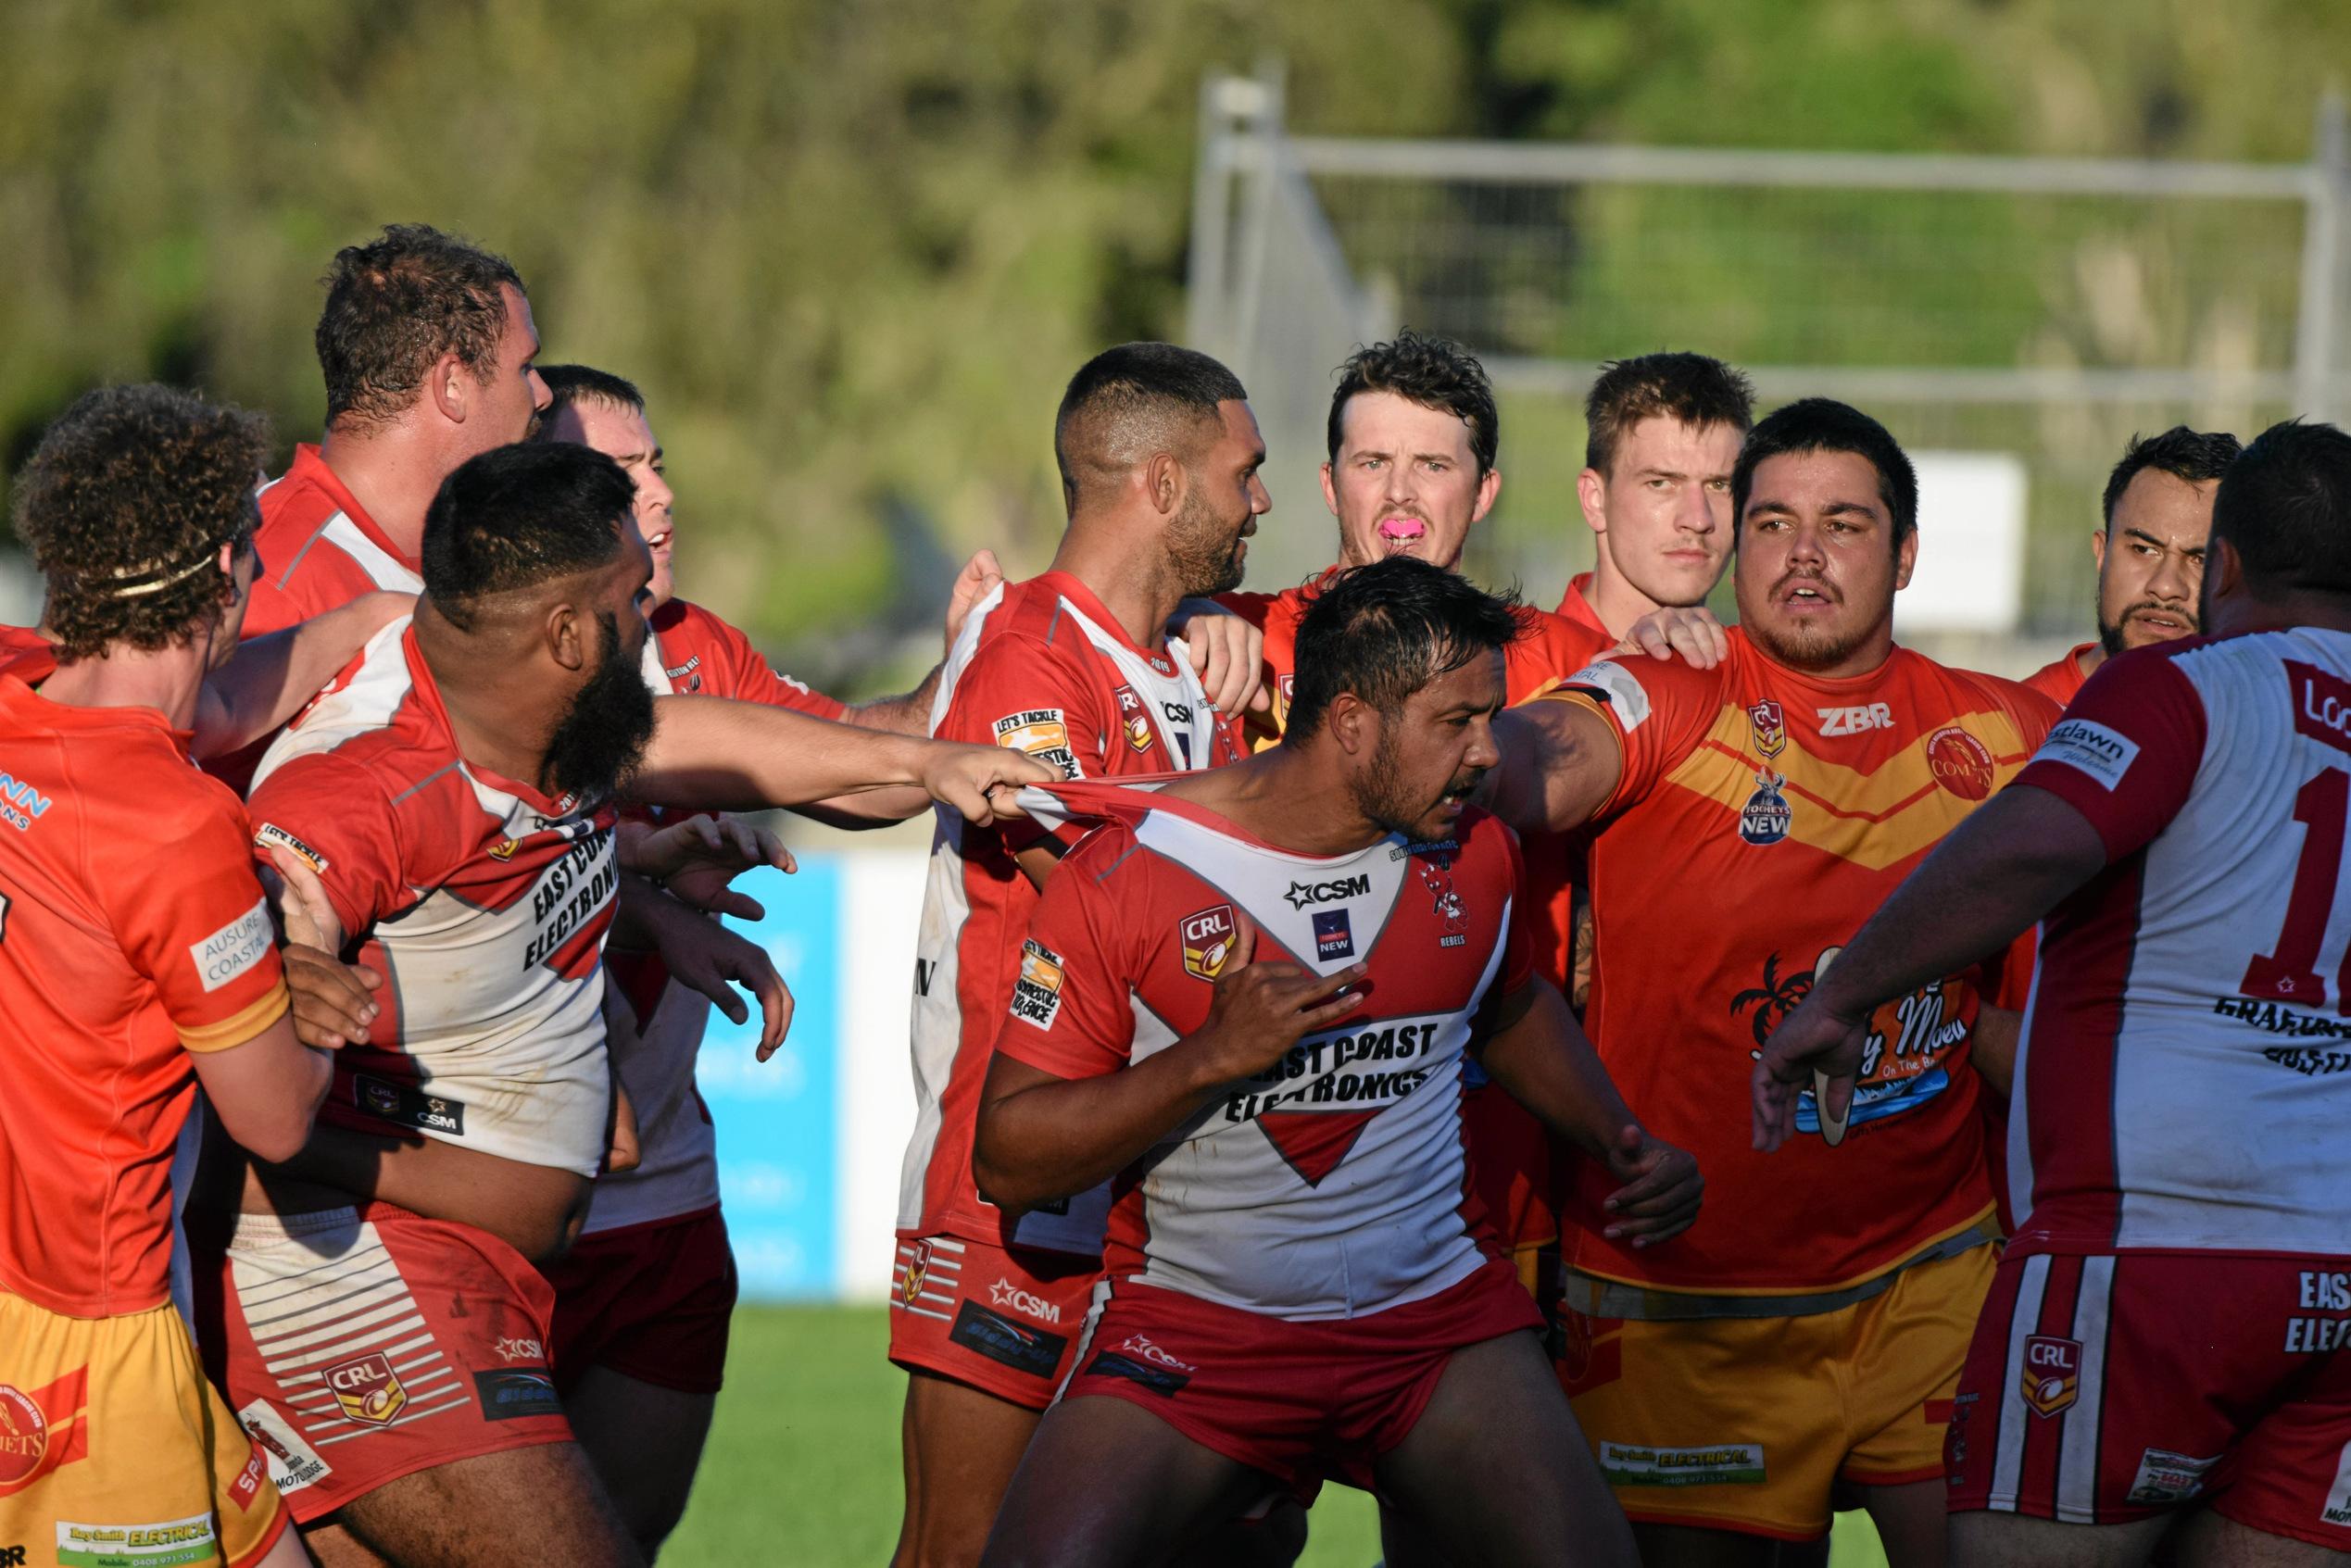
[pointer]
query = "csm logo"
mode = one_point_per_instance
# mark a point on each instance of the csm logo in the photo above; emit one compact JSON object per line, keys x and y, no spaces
{"x":1301,"y":894}
{"x":1004,"y":1293}
{"x":1854,"y":720}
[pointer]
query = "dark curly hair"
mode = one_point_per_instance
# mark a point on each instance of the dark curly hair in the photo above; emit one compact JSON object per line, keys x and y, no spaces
{"x":398,"y":303}
{"x":126,"y":503}
{"x":1386,"y":630}
{"x":2191,"y":455}
{"x":1432,"y":371}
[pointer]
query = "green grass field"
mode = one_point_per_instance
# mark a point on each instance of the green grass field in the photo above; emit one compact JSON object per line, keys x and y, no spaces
{"x":803,"y":1466}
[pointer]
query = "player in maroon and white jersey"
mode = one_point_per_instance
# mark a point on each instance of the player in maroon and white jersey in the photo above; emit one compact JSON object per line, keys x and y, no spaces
{"x":2170,"y":1332}
{"x":453,"y":793}
{"x":1248,"y":1001}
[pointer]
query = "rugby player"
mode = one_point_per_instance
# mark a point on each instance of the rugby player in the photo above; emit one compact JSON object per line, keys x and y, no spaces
{"x":1790,"y":788}
{"x":1248,"y":996}
{"x":136,"y":961}
{"x":454,"y":795}
{"x":2165,"y":1347}
{"x":1159,"y":454}
{"x":2159,"y":507}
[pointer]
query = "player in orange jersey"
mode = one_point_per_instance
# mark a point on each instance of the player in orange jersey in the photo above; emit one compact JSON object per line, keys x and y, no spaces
{"x":136,"y":961}
{"x":2158,"y":512}
{"x":1731,"y":1382}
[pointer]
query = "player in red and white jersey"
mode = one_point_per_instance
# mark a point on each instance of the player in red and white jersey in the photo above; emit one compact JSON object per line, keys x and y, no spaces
{"x":2170,"y":1329}
{"x":136,"y":961}
{"x":1159,"y":455}
{"x":454,"y":795}
{"x":1250,"y":998}
{"x":2149,"y":550}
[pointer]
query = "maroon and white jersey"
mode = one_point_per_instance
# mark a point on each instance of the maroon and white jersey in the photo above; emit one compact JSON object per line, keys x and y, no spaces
{"x":483,"y":903}
{"x":656,"y":1026}
{"x":2184,"y":1080}
{"x":1333,"y":1184}
{"x":1042,"y":668}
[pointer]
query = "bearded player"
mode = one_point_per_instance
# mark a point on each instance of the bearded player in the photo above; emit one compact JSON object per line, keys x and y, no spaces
{"x":1159,"y":456}
{"x":1249,"y":998}
{"x":2150,"y":552}
{"x":1791,"y":788}
{"x":454,"y":796}
{"x":2164,"y":1365}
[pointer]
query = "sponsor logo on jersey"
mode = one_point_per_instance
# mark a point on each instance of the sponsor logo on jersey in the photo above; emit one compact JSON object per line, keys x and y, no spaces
{"x":1004,"y":1293}
{"x":1016,"y":1344}
{"x":236,"y":947}
{"x":1960,"y":763}
{"x":2051,"y":1379}
{"x":2166,"y":1477}
{"x":368,"y":1389}
{"x":1765,"y":817}
{"x":410,"y":1106}
{"x":1134,"y":720}
{"x":679,"y":672}
{"x":1333,"y":937}
{"x":2091,"y":750}
{"x":268,"y":833}
{"x":1207,"y":938}
{"x":1159,"y":1380}
{"x":570,"y":896}
{"x":1902,"y":1057}
{"x":164,"y":1544}
{"x":24,"y":1435}
{"x":1137,"y":1346}
{"x":1770,"y":727}
{"x":1043,"y":733}
{"x":2336,"y":1508}
{"x":1856,"y":720}
{"x":1036,"y":995}
{"x":43,"y":1429}
{"x":294,"y":1463}
{"x":247,"y":1485}
{"x":2322,"y":705}
{"x":20,"y":804}
{"x":513,"y":1393}
{"x":1709,"y":1464}
{"x":511,"y":1350}
{"x":1301,"y":894}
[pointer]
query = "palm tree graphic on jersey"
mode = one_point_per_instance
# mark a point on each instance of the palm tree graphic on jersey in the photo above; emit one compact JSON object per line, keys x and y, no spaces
{"x":1774,"y":999}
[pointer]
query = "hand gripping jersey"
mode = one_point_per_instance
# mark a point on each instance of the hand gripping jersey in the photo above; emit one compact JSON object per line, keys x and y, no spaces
{"x":319,"y":549}
{"x":1334,"y":1184}
{"x":2060,"y":680}
{"x":1041,"y":667}
{"x":131,"y":932}
{"x":655,"y":1025}
{"x":483,"y":903}
{"x":2185,"y":1077}
{"x":1762,"y":817}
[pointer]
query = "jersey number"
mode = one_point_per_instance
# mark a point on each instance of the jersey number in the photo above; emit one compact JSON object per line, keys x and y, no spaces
{"x":2290,"y":973}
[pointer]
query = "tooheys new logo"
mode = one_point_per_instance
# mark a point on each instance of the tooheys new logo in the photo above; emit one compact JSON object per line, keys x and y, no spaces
{"x":1301,"y":894}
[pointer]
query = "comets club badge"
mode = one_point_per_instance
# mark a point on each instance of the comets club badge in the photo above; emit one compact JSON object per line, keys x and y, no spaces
{"x":368,"y":1389}
{"x":24,"y":1435}
{"x":1133,"y":721}
{"x":2052,"y":1377}
{"x":1207,"y":940}
{"x":1960,"y":763}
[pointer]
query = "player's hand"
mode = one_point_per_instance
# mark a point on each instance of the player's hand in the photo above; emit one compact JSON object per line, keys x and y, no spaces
{"x":695,"y":859}
{"x":972,"y":585}
{"x":331,"y":1005}
{"x":1259,"y":1011}
{"x":622,"y":1150}
{"x":980,"y":780}
{"x":1661,"y":1192}
{"x":1228,"y":655}
{"x":702,"y":954}
{"x":1813,"y":1048}
{"x":1694,"y":636}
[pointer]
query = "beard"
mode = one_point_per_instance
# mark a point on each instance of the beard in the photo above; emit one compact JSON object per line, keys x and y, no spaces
{"x":1205,"y":553}
{"x":2110,"y":632}
{"x":602,"y":735}
{"x":1805,"y":646}
{"x":1387,"y":800}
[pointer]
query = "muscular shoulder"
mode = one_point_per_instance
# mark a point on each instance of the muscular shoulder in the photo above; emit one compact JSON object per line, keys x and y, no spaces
{"x":2032,"y":712}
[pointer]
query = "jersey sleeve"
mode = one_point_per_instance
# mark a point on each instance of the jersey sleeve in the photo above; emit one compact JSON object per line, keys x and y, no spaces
{"x":196,"y":923}
{"x":2126,"y":753}
{"x":1018,"y":693}
{"x":1071,"y":1015}
{"x":1518,"y":945}
{"x":1547,"y":651}
{"x":1656,"y":710}
{"x":333,"y":814}
{"x":741,"y":672}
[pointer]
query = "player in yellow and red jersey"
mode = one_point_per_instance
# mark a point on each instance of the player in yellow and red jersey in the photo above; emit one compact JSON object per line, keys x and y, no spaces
{"x":1729,"y":1382}
{"x":136,"y":959}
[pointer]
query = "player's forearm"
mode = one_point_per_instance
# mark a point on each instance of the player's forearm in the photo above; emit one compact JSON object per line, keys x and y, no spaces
{"x":909,"y":714}
{"x":1997,"y":873}
{"x":712,"y":754}
{"x":1552,"y":777}
{"x":1550,"y":1066}
{"x":874,"y":809}
{"x":537,"y":1210}
{"x":266,"y":685}
{"x":1067,"y":1136}
{"x":1994,"y":1048}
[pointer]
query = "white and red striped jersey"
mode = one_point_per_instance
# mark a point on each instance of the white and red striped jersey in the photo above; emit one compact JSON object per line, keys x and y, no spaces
{"x":656,"y":1026}
{"x":483,"y":902}
{"x":2184,"y":1080}
{"x":1040,"y":667}
{"x":319,"y":549}
{"x":1334,"y":1184}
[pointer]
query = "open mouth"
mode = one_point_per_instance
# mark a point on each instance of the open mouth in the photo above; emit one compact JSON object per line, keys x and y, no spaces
{"x":2164,"y":623}
{"x":1807,"y":597}
{"x":1401,"y":533}
{"x":1457,"y":797}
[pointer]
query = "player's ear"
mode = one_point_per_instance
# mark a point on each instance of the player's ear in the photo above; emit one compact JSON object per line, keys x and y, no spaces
{"x":1330,"y":491}
{"x":1351,"y":722}
{"x":566,"y":631}
{"x":447,"y":386}
{"x":2223,"y":570}
{"x":2098,"y":548}
{"x":1488,"y":489}
{"x":1905,"y":558}
{"x":1593,"y":492}
{"x":1164,"y":481}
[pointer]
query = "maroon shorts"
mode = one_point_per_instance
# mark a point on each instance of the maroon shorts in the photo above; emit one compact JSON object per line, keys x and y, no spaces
{"x":2112,"y":1388}
{"x":1300,"y":1401}
{"x":364,"y":1345}
{"x":1001,"y":1321}
{"x":651,"y":1301}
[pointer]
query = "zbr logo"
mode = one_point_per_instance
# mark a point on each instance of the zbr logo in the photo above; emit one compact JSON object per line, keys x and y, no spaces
{"x":368,"y":1389}
{"x":1301,"y":894}
{"x":2051,"y":1376}
{"x":1134,"y":720}
{"x":1855,"y":721}
{"x":1960,"y":763}
{"x":1207,"y":941}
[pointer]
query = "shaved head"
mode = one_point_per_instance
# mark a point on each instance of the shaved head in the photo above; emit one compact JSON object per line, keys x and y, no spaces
{"x":1129,"y":402}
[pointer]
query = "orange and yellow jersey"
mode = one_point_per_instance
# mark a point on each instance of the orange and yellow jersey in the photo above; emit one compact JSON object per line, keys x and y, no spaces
{"x":1762,"y":816}
{"x":1548,"y":648}
{"x":2060,"y":679}
{"x":133,"y":931}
